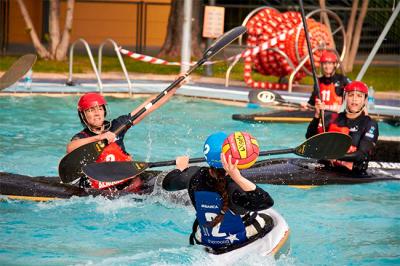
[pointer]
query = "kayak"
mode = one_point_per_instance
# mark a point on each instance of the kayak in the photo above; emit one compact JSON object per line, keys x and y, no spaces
{"x":42,"y":188}
{"x":20,"y":187}
{"x":284,"y":171}
{"x":387,"y":149}
{"x":300,"y":116}
{"x":308,"y":172}
{"x":274,"y":243}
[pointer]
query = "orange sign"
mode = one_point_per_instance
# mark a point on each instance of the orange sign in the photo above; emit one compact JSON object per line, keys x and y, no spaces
{"x":213,"y":25}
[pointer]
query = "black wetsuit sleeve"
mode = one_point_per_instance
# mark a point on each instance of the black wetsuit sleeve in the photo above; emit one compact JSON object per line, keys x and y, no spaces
{"x":80,"y":135}
{"x":366,"y":146}
{"x":119,"y":121}
{"x":85,"y":133}
{"x":255,"y":200}
{"x":312,"y":128}
{"x":177,"y":179}
{"x":362,"y":154}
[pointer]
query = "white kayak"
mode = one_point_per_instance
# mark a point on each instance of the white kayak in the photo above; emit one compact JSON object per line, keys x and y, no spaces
{"x":275,"y":243}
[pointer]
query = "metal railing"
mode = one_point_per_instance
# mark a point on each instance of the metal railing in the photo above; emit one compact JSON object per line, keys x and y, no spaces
{"x":71,"y":62}
{"x":121,"y":61}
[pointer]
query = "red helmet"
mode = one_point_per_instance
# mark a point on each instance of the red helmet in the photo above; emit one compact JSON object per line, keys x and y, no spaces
{"x":356,"y":86}
{"x":328,"y":56}
{"x":89,"y":100}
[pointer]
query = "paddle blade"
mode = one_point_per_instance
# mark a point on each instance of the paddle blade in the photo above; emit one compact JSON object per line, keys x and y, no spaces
{"x":70,"y":167}
{"x":114,"y":171}
{"x":17,"y":70}
{"x":264,"y":97}
{"x":223,"y":41}
{"x":328,"y":145}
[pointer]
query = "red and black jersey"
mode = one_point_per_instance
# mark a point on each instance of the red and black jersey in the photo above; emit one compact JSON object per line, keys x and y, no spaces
{"x":331,"y":90}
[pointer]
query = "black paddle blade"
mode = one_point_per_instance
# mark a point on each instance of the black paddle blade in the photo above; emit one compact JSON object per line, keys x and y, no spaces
{"x":70,"y":167}
{"x":17,"y":70}
{"x":329,"y":145}
{"x":264,"y":97}
{"x":223,"y":41}
{"x":114,"y":171}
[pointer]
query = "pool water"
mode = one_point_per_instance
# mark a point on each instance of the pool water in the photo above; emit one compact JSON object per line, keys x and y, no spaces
{"x":330,"y":225}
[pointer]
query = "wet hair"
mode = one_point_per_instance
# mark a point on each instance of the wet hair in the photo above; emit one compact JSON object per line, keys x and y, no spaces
{"x":219,"y":176}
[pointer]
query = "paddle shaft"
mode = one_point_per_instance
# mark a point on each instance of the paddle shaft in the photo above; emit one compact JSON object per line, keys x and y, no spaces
{"x":310,"y":53}
{"x":202,"y":159}
{"x":330,"y":145}
{"x":216,"y":47}
{"x":333,"y":144}
{"x":159,"y":96}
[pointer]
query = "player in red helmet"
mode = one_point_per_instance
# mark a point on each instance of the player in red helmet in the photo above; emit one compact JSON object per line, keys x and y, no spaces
{"x":354,"y":122}
{"x":331,"y":84}
{"x":92,"y":111}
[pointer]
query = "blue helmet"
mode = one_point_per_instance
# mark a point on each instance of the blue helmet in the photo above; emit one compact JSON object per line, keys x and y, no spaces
{"x":213,"y":147}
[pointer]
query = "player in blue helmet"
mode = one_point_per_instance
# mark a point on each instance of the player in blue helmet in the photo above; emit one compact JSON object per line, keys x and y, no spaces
{"x":226,"y":203}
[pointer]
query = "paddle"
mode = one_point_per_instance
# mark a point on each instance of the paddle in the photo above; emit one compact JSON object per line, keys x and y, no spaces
{"x":269,"y":97}
{"x":17,"y":70}
{"x":330,"y":145}
{"x":70,"y":167}
{"x":310,"y":53}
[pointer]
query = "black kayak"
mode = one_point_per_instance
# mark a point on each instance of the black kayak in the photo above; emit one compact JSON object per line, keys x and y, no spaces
{"x":299,"y":116}
{"x":308,"y":172}
{"x":43,"y":188}
{"x":287,"y":171}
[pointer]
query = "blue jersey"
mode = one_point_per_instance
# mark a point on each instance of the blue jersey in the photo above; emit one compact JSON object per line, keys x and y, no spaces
{"x":230,"y":231}
{"x":242,"y":208}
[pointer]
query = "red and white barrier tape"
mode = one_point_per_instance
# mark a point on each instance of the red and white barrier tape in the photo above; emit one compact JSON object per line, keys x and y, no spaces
{"x":158,"y":61}
{"x":246,"y":53}
{"x":267,"y":29}
{"x":146,"y":58}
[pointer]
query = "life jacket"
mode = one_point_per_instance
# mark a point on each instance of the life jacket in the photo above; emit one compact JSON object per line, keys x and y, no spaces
{"x":332,"y":101}
{"x":230,"y":231}
{"x":332,"y":118}
{"x":113,"y":152}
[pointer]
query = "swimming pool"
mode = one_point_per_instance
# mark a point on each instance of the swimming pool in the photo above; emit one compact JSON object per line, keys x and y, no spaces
{"x":355,"y":224}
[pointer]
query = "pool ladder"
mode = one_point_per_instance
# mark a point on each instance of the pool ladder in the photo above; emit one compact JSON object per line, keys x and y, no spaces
{"x":97,"y":70}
